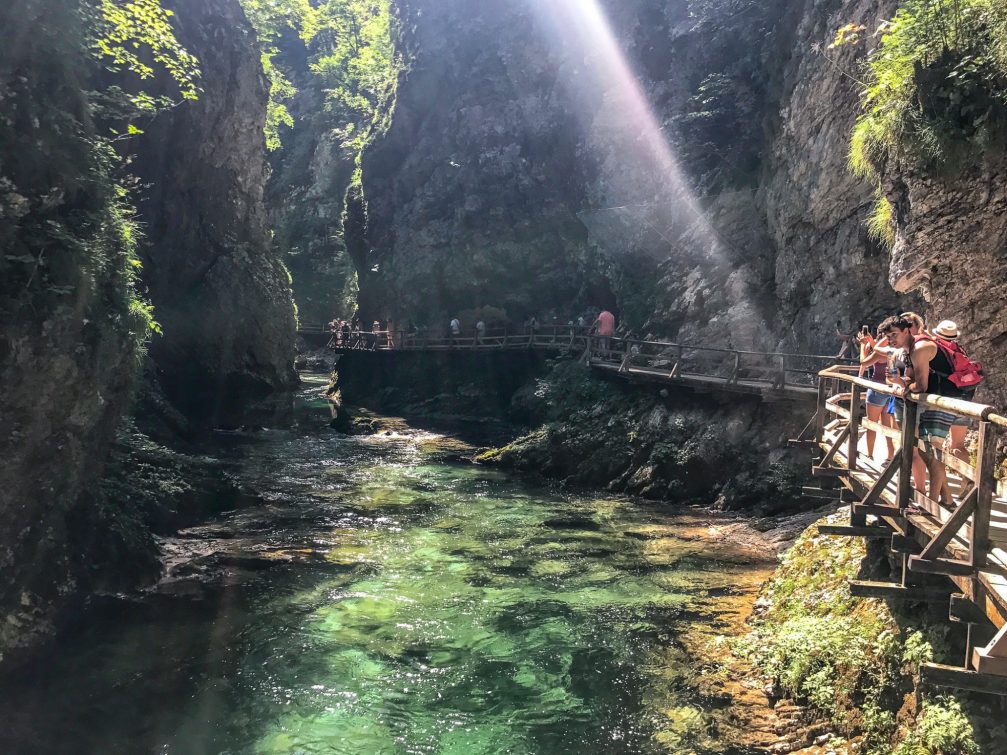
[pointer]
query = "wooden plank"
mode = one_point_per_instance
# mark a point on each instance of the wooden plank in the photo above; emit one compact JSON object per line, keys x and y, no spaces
{"x":939,"y":675}
{"x":950,"y":528}
{"x":979,"y":543}
{"x":875,"y":532}
{"x":884,"y":430}
{"x":829,"y":472}
{"x":830,"y":454}
{"x":821,"y":411}
{"x":962,"y":609}
{"x":988,"y":664}
{"x":927,"y":504}
{"x":905,"y":544}
{"x":866,"y":589}
{"x":853,"y":442}
{"x":887,"y":512}
{"x":947,"y":567}
{"x":905,"y":489}
{"x":886,"y":476}
{"x":820,"y":494}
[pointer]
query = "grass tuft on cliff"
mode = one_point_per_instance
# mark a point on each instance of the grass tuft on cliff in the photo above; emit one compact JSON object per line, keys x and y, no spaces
{"x":855,"y":661}
{"x":936,"y":86}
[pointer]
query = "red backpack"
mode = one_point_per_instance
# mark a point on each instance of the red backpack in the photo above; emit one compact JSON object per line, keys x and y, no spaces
{"x":965,"y":374}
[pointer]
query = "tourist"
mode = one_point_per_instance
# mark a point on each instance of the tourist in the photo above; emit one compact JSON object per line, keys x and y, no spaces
{"x":480,"y":332}
{"x":846,"y":339}
{"x":874,"y":361}
{"x":455,"y":328}
{"x":390,"y":333}
{"x":898,"y":375}
{"x":930,"y":367}
{"x":946,"y":335}
{"x":866,"y":342}
{"x":918,"y":324}
{"x":604,"y":328}
{"x":344,"y":330}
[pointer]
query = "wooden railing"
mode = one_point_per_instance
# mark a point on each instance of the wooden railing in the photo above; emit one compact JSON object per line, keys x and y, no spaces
{"x":959,"y":531}
{"x":666,"y":360}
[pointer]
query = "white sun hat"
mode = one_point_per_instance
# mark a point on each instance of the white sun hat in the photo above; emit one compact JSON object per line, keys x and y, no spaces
{"x":946,"y":329}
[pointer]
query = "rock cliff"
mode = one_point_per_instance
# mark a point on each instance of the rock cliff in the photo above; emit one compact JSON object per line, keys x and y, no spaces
{"x":951,"y":245}
{"x":525,"y":169}
{"x":220,"y":292}
{"x":68,"y":338}
{"x":73,"y":316}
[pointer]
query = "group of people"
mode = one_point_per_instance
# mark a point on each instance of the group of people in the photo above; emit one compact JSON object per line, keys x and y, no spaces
{"x":907,"y":356}
{"x":602,"y":325}
{"x":350,"y":334}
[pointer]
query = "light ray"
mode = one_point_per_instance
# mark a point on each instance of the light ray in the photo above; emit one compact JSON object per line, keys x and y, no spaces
{"x":625,"y":115}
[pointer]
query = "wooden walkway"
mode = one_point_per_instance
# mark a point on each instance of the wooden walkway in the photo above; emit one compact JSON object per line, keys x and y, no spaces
{"x":962,"y":540}
{"x":772,"y":376}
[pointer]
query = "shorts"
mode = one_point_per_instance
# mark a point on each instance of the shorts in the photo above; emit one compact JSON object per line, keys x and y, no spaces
{"x":935,"y":424}
{"x":877,"y":399}
{"x":896,"y":407}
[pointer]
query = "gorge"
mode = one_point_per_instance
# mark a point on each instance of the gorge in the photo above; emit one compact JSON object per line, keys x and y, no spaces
{"x":683,"y":163}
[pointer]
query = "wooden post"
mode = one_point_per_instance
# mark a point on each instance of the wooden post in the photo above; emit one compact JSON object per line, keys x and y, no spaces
{"x":737,"y":368}
{"x":985,"y":484}
{"x":853,"y":447}
{"x":783,"y":372}
{"x":823,"y":397}
{"x":908,"y":444}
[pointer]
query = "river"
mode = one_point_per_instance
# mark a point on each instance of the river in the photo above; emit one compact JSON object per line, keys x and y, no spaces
{"x":382,"y":598}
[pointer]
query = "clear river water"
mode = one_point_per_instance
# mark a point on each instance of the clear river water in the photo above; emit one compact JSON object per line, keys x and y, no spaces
{"x":382,"y":598}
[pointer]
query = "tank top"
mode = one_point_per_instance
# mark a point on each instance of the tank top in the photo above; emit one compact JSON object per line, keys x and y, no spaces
{"x":877,"y":373}
{"x":937,"y":382}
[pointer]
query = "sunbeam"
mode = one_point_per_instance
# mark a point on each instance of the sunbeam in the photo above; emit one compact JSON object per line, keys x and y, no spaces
{"x":627,"y":118}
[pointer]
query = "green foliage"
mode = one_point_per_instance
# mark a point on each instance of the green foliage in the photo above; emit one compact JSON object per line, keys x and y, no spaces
{"x":936,"y":83}
{"x":881,"y":224}
{"x":351,"y":58}
{"x":357,"y":68}
{"x":272,"y":19}
{"x":943,"y":729}
{"x":135,"y":36}
{"x":848,"y":657}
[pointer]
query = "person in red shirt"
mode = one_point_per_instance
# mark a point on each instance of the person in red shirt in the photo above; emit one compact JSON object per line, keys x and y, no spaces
{"x":604,"y":327}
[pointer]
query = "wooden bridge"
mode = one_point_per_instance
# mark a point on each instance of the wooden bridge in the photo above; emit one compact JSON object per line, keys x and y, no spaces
{"x":772,"y":376}
{"x":955,"y":551}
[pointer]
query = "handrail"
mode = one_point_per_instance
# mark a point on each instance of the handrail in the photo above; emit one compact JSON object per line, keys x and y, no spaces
{"x":932,"y":400}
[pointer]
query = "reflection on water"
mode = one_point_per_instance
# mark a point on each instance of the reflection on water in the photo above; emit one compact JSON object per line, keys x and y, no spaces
{"x":381,"y":601}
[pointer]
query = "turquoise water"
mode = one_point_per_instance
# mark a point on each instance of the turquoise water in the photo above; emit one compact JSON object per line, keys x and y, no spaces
{"x":384,"y":600}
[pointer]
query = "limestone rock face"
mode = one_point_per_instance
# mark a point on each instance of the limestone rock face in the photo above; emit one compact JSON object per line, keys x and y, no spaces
{"x":67,"y":353}
{"x":218,"y":287}
{"x":472,"y":193}
{"x":825,"y":268}
{"x":951,"y":245}
{"x":685,"y":164}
